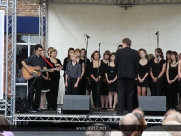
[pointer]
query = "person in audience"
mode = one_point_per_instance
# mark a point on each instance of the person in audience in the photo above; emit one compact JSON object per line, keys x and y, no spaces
{"x":142,"y":123}
{"x":45,"y":84}
{"x":172,"y":78}
{"x":96,"y":71}
{"x":95,"y":130}
{"x":172,"y":117}
{"x":173,"y":128}
{"x":179,"y":78}
{"x":111,"y":77}
{"x":85,"y":84}
{"x":54,"y":80}
{"x":157,"y":70}
{"x":5,"y":126}
{"x":155,"y":131}
{"x":82,"y":64}
{"x":138,"y":110}
{"x":73,"y":75}
{"x":143,"y":72}
{"x":104,"y":91}
{"x":128,"y":125}
{"x":65,"y":62}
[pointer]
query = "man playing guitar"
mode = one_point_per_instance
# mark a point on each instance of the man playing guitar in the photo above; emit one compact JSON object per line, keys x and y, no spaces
{"x":36,"y":82}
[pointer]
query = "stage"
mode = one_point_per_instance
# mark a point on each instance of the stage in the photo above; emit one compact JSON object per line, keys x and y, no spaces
{"x":106,"y":117}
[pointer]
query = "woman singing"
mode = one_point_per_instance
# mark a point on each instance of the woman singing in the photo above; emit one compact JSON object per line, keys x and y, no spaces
{"x":85,"y":84}
{"x":54,"y":80}
{"x":111,"y":77}
{"x":81,"y":62}
{"x":143,"y":72}
{"x":96,"y":72}
{"x":104,"y":92}
{"x":157,"y":70}
{"x":172,"y":78}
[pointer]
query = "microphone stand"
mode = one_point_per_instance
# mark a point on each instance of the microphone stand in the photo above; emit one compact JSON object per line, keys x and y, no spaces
{"x":85,"y":65}
{"x":98,"y":85}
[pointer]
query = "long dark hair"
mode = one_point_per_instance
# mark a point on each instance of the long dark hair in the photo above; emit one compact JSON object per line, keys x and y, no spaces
{"x":68,"y":56}
{"x":176,"y":55}
{"x":168,"y":52}
{"x":159,"y":50}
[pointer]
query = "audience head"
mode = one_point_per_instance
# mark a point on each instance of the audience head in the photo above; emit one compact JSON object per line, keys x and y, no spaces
{"x":112,"y":56}
{"x":173,"y":128}
{"x":126,"y":42}
{"x":155,"y":131}
{"x":70,"y":51}
{"x":128,"y":124}
{"x":93,"y":132}
{"x":53,"y":53}
{"x":106,"y":55}
{"x":4,"y":124}
{"x":159,"y":53}
{"x":95,"y":55}
{"x":116,"y":133}
{"x":120,"y":47}
{"x":143,"y":53}
{"x":140,"y":111}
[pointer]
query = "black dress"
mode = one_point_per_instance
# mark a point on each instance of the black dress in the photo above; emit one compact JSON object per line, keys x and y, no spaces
{"x":156,"y":70}
{"x":45,"y":84}
{"x":173,"y":88}
{"x":54,"y":85}
{"x":94,"y":85}
{"x":104,"y":90}
{"x":143,"y":69}
{"x":81,"y":61}
{"x":111,"y":73}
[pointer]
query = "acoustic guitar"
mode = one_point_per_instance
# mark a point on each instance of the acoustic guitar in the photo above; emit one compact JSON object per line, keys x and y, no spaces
{"x":36,"y":72}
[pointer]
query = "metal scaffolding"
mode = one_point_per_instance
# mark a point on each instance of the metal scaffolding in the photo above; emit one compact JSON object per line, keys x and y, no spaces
{"x":8,"y":103}
{"x":9,"y":96}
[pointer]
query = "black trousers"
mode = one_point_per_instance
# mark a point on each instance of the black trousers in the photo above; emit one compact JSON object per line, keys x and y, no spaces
{"x":125,"y":86}
{"x":31,"y":88}
{"x":52,"y":94}
{"x":83,"y":85}
{"x":156,"y":87}
{"x":172,"y":94}
{"x":71,"y":89}
{"x":96,"y":89}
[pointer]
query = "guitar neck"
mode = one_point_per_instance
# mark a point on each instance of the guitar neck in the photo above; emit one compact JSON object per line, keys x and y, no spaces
{"x":45,"y":70}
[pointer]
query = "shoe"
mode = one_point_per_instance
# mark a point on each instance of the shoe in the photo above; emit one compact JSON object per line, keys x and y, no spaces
{"x":39,"y":110}
{"x":51,"y":109}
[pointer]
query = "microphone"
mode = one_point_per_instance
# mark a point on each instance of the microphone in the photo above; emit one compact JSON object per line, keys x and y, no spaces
{"x":87,"y":36}
{"x":157,"y":33}
{"x":99,"y":45}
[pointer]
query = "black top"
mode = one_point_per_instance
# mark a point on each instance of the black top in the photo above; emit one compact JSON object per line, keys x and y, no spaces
{"x":104,"y":69}
{"x":94,"y":71}
{"x":127,"y":63}
{"x":55,"y":74}
{"x":111,"y":72}
{"x":81,"y":61}
{"x":34,"y":60}
{"x":173,"y":72}
{"x":157,"y":67}
{"x":143,"y":69}
{"x":73,"y":71}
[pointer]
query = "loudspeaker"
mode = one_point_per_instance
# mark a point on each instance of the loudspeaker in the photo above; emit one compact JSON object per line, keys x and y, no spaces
{"x":76,"y":104}
{"x":153,"y":105}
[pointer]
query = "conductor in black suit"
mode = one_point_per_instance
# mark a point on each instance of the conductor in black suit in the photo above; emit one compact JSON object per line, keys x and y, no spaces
{"x":127,"y":71}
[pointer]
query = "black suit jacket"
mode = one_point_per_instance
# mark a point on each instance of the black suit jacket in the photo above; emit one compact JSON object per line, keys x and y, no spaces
{"x":127,"y":63}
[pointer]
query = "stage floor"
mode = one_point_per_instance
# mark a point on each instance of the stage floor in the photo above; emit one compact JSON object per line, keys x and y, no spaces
{"x":94,"y":117}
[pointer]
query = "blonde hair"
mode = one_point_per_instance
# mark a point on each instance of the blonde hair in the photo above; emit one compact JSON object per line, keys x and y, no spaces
{"x":73,"y":55}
